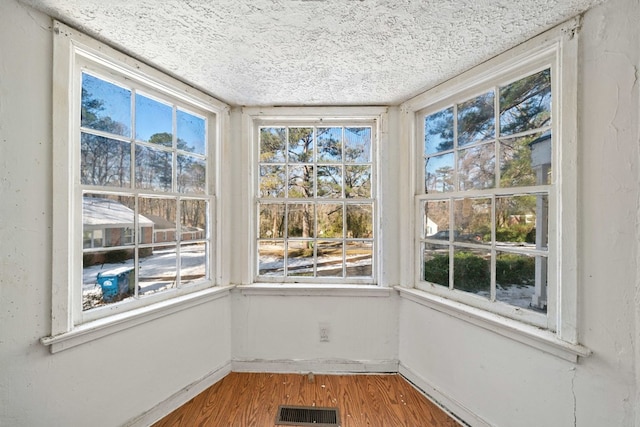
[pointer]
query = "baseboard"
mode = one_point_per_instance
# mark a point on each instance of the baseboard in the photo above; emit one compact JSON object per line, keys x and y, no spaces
{"x":180,"y":398}
{"x":445,"y":402}
{"x":320,"y":366}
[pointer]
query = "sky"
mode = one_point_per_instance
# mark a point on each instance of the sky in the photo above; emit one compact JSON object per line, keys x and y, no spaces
{"x":152,"y":116}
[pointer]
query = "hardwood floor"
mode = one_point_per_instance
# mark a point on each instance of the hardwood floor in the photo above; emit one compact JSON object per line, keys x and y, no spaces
{"x":252,"y":399}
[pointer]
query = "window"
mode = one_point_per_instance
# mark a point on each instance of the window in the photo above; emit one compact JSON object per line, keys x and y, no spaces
{"x":137,"y":180}
{"x":491,"y":171}
{"x":144,"y":163}
{"x":316,"y":203}
{"x":487,"y":176}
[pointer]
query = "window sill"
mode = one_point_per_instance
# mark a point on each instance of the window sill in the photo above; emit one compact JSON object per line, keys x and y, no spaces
{"x":297,"y":289}
{"x":541,"y":339}
{"x":96,"y":329}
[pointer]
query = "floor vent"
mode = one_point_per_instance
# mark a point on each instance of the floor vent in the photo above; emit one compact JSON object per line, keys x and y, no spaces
{"x":307,"y":416}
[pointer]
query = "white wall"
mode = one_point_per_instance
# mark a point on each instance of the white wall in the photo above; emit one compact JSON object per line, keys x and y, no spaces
{"x":110,"y":380}
{"x":276,"y":332}
{"x":510,"y":384}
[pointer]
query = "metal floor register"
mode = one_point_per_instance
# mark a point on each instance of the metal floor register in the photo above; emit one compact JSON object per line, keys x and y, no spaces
{"x":307,"y":416}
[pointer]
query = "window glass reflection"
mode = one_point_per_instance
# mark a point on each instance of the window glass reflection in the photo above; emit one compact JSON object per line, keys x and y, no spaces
{"x":105,"y":106}
{"x":154,"y":121}
{"x":526,"y":104}
{"x":438,"y":131}
{"x":476,"y":119}
{"x":191,"y":132}
{"x":104,"y":161}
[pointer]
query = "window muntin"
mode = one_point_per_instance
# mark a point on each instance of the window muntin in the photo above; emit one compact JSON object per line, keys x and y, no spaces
{"x":315,"y":204}
{"x":145,"y":168}
{"x":485,"y":200}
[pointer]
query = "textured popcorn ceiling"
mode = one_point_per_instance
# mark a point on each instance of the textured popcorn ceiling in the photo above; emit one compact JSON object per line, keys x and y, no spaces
{"x":313,"y":52}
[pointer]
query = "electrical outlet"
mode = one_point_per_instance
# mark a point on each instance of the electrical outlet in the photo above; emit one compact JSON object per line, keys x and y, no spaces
{"x":325,"y":331}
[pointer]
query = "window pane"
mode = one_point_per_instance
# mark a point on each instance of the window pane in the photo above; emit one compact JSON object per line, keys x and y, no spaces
{"x":191,"y":132}
{"x":158,"y":271}
{"x":359,"y":221}
{"x":476,"y":121}
{"x":438,"y":131}
{"x":436,"y":219}
{"x":300,"y":258}
{"x":329,"y":259}
{"x":522,"y":220}
{"x":330,"y":222}
{"x":359,"y":256}
{"x":271,"y":220}
{"x":526,"y":161}
{"x":472,"y":271}
{"x":273,"y":145}
{"x":104,"y":161}
{"x":107,"y":277}
{"x":357,"y":182}
{"x":300,"y":220}
{"x":329,"y":145}
{"x":330,"y":181}
{"x":357,"y":145}
{"x":161,"y":213}
{"x":87,"y":239}
{"x":516,"y":280}
{"x":105,"y":106}
{"x":312,"y":169}
{"x":113,"y":215}
{"x":193,"y":264}
{"x":476,"y":167}
{"x":472,"y":219}
{"x":153,"y":168}
{"x":98,"y":239}
{"x":439,"y":174}
{"x":301,"y":181}
{"x":154,"y":121}
{"x":193,"y":219}
{"x":192,"y":174}
{"x":435,"y":264}
{"x":526,"y":104}
{"x":271,"y":258}
{"x":272,"y":181}
{"x":300,"y":145}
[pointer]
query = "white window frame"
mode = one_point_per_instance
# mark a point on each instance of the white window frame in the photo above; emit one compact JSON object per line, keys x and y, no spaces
{"x":255,"y":118}
{"x":557,"y":48}
{"x":73,"y":53}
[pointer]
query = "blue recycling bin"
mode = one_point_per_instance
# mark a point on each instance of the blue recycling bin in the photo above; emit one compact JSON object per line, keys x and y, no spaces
{"x":116,"y":282}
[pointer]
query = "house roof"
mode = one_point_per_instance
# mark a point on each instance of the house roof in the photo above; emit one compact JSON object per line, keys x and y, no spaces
{"x":98,"y":211}
{"x":161,"y":223}
{"x":313,"y":52}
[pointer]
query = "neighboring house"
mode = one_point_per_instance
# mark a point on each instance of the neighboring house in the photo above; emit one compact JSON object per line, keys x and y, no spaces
{"x":166,"y":231}
{"x":108,"y":223}
{"x":163,"y":229}
{"x":431,"y":227}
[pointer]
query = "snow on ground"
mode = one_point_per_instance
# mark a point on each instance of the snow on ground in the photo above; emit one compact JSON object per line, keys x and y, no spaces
{"x":274,"y":265}
{"x":156,"y":272}
{"x":517,"y":295}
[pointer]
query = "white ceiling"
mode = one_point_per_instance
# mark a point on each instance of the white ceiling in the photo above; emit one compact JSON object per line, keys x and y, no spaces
{"x":313,"y":52}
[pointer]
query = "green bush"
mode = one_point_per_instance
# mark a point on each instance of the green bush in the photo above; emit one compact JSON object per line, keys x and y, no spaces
{"x":514,"y":233}
{"x":471,"y":273}
{"x":512,"y":269}
{"x":436,"y":270}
